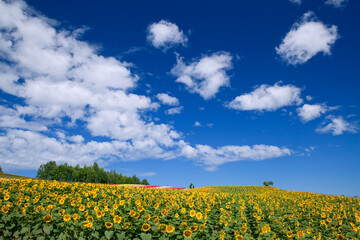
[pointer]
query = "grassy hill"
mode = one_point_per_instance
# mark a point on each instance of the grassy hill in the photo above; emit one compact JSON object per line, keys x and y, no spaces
{"x":7,"y":175}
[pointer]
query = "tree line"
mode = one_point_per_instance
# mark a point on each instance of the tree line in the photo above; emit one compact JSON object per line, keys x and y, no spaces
{"x":88,"y":174}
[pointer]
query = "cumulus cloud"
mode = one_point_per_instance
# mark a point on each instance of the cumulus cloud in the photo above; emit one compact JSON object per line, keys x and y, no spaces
{"x":206,"y":75}
{"x":175,"y":110}
{"x":309,"y":112}
{"x":168,"y":100}
{"x":336,"y":3}
{"x":268,"y":98}
{"x":211,"y":157}
{"x":307,"y":38}
{"x":64,"y":82}
{"x":197,"y":124}
{"x":165,"y":34}
{"x":337,"y":126}
{"x":63,"y":77}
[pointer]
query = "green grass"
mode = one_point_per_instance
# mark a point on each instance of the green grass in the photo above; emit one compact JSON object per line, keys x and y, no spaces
{"x":12,"y":176}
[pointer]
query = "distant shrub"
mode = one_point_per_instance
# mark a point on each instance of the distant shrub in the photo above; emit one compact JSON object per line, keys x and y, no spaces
{"x":268,"y":183}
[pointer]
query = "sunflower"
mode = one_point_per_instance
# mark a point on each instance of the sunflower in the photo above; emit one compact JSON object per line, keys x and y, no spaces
{"x":88,"y":225}
{"x":289,"y":234}
{"x":170,"y":229}
{"x":239,"y":237}
{"x":199,"y":216}
{"x":5,"y":209}
{"x":145,"y":227}
{"x":90,"y":219}
{"x":164,"y":212}
{"x":300,"y":234}
{"x":75,"y":217}
{"x":187,"y":233}
{"x":117,"y":219}
{"x":126,"y":226}
{"x":162,"y":228}
{"x":192,"y":213}
{"x":193,"y":228}
{"x":6,"y":197}
{"x":132,"y":213}
{"x":99,"y":214}
{"x":108,"y":225}
{"x":47,"y":218}
{"x":67,"y":217}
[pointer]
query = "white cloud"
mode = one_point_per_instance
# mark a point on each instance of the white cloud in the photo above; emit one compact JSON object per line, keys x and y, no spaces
{"x":64,"y":78}
{"x":11,"y":118}
{"x":296,"y":1}
{"x":337,"y":126}
{"x":211,"y":158}
{"x":175,"y":110}
{"x":165,"y":34}
{"x":197,"y":124}
{"x":309,"y":112}
{"x":77,"y":138}
{"x":307,"y":38}
{"x":336,"y":3}
{"x":268,"y":98}
{"x":309,"y":98}
{"x":168,"y":100}
{"x":206,"y":75}
{"x":147,"y":174}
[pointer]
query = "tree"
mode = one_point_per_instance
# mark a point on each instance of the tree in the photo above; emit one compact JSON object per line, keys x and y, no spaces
{"x":46,"y":171}
{"x":0,"y":169}
{"x":268,"y":183}
{"x":90,"y":174}
{"x":191,"y":186}
{"x":145,"y":182}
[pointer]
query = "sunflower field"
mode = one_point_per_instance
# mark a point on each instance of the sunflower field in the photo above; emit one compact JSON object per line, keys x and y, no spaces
{"x":34,"y":209}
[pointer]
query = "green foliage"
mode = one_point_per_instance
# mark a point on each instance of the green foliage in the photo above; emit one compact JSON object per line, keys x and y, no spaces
{"x":145,"y":182}
{"x":191,"y":186}
{"x":89,"y":174}
{"x":268,"y":183}
{"x":0,"y":169}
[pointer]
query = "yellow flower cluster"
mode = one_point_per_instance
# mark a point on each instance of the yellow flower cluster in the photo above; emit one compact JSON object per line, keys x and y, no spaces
{"x":50,"y":209}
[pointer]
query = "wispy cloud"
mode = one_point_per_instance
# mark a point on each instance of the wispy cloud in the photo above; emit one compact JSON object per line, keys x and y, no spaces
{"x":307,"y":38}
{"x":175,"y":110}
{"x":296,"y":1}
{"x":337,"y":126}
{"x":211,"y":157}
{"x":336,"y":3}
{"x":147,"y":174}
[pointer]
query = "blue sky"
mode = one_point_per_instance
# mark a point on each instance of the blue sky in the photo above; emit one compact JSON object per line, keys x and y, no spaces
{"x":230,"y":93}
